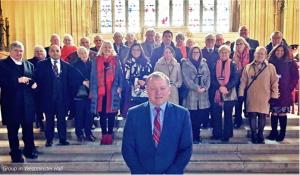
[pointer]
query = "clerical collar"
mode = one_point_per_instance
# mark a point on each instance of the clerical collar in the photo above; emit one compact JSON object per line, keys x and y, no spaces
{"x":17,"y":62}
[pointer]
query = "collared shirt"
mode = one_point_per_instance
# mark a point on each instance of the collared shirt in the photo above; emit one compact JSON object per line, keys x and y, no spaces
{"x":57,"y":64}
{"x":17,"y":62}
{"x":210,"y":50}
{"x":153,"y":114}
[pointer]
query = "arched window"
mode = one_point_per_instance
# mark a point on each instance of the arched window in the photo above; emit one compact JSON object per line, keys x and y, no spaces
{"x":194,"y":15}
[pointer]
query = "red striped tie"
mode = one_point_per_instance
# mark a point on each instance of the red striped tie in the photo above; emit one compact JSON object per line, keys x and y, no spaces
{"x":157,"y":126}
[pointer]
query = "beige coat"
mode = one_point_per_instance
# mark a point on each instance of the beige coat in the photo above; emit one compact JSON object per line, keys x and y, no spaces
{"x":173,"y":71}
{"x":261,"y":90}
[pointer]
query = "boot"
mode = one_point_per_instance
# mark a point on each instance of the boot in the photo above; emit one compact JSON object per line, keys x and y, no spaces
{"x":109,"y":139}
{"x":274,"y":133}
{"x":260,"y":137}
{"x":253,"y":137}
{"x":282,"y":122}
{"x":16,"y":156}
{"x":104,"y":139}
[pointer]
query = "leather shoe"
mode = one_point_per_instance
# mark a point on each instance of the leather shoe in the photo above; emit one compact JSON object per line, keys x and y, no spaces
{"x":64,"y":142}
{"x":48,"y":143}
{"x":18,"y":160}
{"x":31,"y":155}
{"x":90,"y":138}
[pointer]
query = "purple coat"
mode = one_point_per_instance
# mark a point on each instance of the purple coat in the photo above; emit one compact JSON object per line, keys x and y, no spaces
{"x":287,"y":71}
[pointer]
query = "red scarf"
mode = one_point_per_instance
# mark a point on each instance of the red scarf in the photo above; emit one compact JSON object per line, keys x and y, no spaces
{"x":225,"y":74}
{"x":241,"y":59}
{"x":105,"y":81}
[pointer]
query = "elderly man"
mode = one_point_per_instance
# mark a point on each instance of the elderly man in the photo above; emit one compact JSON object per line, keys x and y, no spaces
{"x":276,"y":38}
{"x":244,"y":32}
{"x":121,"y":49}
{"x":85,"y":42}
{"x":210,"y":53}
{"x":157,"y":135}
{"x":17,"y":101}
{"x":219,"y":40}
{"x":98,"y":42}
{"x":53,"y":79}
{"x":54,"y":40}
{"x":149,"y":43}
{"x":157,"y":53}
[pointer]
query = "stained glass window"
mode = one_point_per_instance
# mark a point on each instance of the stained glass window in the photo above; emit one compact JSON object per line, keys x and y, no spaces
{"x":177,"y":17}
{"x":163,"y":13}
{"x":120,"y":12}
{"x":223,"y":16}
{"x":208,"y":16}
{"x":106,"y":16}
{"x":150,"y":13}
{"x":194,"y":15}
{"x":133,"y":16}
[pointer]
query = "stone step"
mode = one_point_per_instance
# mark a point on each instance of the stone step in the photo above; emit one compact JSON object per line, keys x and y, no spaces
{"x":292,"y":132}
{"x":113,"y":163}
{"x":95,"y":147}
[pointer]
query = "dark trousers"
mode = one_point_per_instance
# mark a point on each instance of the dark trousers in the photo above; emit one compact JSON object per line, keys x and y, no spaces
{"x":238,"y":108}
{"x":27,"y":137}
{"x":196,"y":119}
{"x":61,"y":123}
{"x":225,"y":130}
{"x":107,"y":122}
{"x":208,"y":121}
{"x":257,"y":122}
{"x":83,"y":117}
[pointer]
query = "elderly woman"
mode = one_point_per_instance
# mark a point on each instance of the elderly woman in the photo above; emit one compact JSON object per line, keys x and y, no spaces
{"x":259,"y":82}
{"x":105,"y":89}
{"x":68,"y":47}
{"x":170,"y":67}
{"x":196,"y":77}
{"x":242,"y":56}
{"x":181,"y":45}
{"x":288,"y":74}
{"x":224,"y":80}
{"x":83,"y":115}
{"x":39,"y":55}
{"x":137,"y":69}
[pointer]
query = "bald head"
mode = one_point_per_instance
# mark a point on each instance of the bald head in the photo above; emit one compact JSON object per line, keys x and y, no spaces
{"x":54,"y":52}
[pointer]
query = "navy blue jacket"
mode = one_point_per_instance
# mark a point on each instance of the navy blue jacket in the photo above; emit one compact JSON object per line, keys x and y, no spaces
{"x":211,"y":58}
{"x":174,"y":149}
{"x":45,"y":77}
{"x":14,"y":94}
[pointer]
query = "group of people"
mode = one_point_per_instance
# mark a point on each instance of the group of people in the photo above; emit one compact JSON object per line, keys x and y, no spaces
{"x":110,"y":78}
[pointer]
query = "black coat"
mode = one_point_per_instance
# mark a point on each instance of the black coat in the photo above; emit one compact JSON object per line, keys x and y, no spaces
{"x":45,"y":77}
{"x":14,"y":94}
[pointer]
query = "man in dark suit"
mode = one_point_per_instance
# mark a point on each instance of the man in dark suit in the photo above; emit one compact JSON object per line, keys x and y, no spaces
{"x":120,"y":48}
{"x":54,"y":88}
{"x":157,"y":135}
{"x":17,"y":101}
{"x":157,"y":53}
{"x":243,"y":32}
{"x":98,"y":42}
{"x":54,"y":40}
{"x":276,"y":39}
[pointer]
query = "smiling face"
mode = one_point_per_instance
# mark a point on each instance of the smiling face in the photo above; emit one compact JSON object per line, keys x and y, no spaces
{"x":279,"y":52}
{"x":158,"y":91}
{"x":260,"y":54}
{"x":17,"y":53}
{"x":168,"y":55}
{"x":136,"y":51}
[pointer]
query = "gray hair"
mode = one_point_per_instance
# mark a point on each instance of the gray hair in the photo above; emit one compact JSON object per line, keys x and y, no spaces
{"x":16,"y":44}
{"x":81,"y":49}
{"x":210,"y":36}
{"x":39,"y":47}
{"x":158,"y":75}
{"x":180,"y":36}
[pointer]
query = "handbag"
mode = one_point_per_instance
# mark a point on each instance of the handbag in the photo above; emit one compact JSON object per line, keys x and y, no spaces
{"x":82,"y":92}
{"x":138,"y":95}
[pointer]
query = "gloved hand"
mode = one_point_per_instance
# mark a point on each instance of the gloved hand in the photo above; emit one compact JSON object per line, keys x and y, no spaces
{"x":240,"y":98}
{"x":272,"y":101}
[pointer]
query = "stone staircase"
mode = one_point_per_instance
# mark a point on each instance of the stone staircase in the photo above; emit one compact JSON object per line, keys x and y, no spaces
{"x":239,"y":156}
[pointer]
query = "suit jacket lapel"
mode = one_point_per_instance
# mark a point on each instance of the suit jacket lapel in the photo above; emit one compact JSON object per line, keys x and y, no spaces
{"x":147,"y":123}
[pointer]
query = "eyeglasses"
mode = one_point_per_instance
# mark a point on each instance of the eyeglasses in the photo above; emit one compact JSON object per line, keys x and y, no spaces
{"x":195,"y":52}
